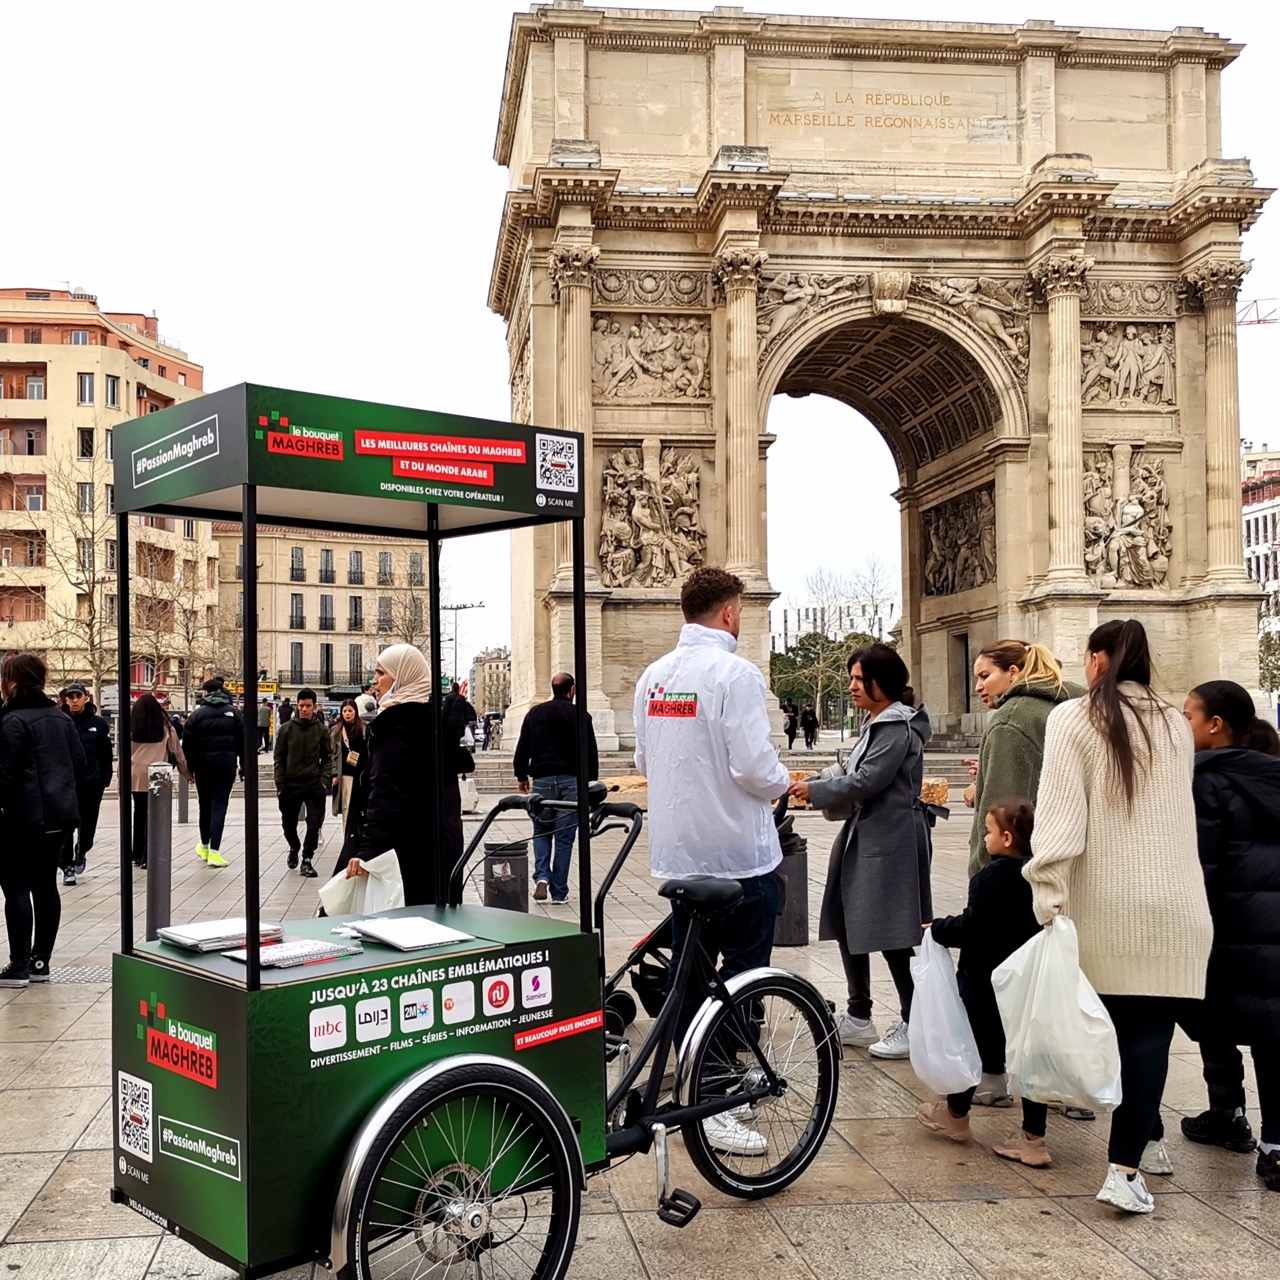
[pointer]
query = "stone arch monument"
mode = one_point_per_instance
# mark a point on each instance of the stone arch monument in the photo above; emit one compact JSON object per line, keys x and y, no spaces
{"x":1015,"y":250}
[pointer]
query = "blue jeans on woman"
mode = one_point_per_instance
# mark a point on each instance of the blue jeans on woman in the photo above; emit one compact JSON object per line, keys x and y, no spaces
{"x":558,"y":826}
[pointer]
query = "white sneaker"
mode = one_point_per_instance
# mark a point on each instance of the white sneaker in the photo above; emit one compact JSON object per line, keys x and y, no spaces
{"x":897,"y":1044}
{"x":1125,"y":1193}
{"x":729,"y":1135}
{"x":993,"y":1091}
{"x":857,"y":1035}
{"x":1155,"y":1160}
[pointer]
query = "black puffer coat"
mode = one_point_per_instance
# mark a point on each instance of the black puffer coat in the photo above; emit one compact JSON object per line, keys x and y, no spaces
{"x":95,"y":742}
{"x":214,"y":734}
{"x":1237,"y":795}
{"x":41,"y":764}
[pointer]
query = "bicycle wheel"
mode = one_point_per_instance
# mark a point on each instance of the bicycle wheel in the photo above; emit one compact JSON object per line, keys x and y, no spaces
{"x":790,"y":1022}
{"x":476,"y":1175}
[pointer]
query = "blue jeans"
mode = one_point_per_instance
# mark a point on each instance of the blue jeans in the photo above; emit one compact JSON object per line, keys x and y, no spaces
{"x":558,"y":825}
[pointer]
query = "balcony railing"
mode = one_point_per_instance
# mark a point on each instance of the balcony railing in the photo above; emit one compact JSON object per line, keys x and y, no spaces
{"x":328,"y":575}
{"x":355,"y":578}
{"x":297,"y":573}
{"x":356,"y":623}
{"x":297,"y":622}
{"x":336,"y":675}
{"x":327,"y":623}
{"x":386,"y":579}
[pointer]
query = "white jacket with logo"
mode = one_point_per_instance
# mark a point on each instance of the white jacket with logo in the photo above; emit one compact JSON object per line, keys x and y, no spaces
{"x":702,"y":740}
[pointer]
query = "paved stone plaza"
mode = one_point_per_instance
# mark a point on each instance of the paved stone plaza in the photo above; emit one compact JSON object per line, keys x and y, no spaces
{"x":885,"y":1199}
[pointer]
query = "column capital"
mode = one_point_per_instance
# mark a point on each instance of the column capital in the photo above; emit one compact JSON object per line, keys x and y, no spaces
{"x":571,"y":265}
{"x":1060,"y":275}
{"x":1217,"y":279}
{"x":738,"y":268}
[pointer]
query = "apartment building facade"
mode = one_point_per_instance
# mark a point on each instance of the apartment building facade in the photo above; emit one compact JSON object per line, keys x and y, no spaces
{"x":70,"y":372}
{"x":490,"y":681}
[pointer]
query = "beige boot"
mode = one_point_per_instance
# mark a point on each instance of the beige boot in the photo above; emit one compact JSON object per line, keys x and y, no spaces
{"x":1033,"y":1152}
{"x":937,"y":1117}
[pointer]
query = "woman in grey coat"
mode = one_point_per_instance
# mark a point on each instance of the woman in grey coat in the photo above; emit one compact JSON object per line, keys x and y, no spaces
{"x":878,"y":893}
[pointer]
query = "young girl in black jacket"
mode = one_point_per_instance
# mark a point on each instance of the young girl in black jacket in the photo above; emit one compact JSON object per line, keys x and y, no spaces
{"x":996,"y":922}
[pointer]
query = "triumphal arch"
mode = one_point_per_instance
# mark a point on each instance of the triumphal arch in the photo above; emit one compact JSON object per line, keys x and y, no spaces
{"x":1014,"y":249}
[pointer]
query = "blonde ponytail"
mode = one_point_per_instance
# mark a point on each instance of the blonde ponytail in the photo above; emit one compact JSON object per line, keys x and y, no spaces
{"x":1034,"y":662}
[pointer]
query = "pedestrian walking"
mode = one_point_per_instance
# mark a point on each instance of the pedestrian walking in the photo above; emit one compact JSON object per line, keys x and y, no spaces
{"x":264,"y":727}
{"x":790,"y":721}
{"x":348,"y":751}
{"x":41,"y":768}
{"x":1237,"y":797}
{"x":459,"y":714}
{"x":284,"y":714}
{"x":153,"y":740}
{"x":1115,"y":849}
{"x":214,"y":747}
{"x":996,"y":921}
{"x":878,"y":889}
{"x":392,"y":792}
{"x":95,"y":742}
{"x":548,"y":753}
{"x":703,"y":741}
{"x":809,"y":726}
{"x":303,"y":768}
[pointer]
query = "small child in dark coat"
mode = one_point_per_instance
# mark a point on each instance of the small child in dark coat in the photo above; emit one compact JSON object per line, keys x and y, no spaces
{"x":996,"y":922}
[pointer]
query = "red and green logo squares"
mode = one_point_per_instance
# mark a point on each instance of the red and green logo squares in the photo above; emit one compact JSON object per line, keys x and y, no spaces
{"x":272,"y":421}
{"x":152,"y":1009}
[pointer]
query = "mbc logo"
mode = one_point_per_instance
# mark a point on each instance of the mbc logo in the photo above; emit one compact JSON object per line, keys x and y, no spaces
{"x":328,"y":1027}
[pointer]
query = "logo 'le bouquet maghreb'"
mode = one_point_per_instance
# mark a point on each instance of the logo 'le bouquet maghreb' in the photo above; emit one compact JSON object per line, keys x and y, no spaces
{"x":177,"y":1046}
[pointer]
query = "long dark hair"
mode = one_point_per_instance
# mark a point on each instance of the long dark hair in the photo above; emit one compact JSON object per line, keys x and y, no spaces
{"x":354,"y":730}
{"x":882,"y":670}
{"x":1128,"y":660}
{"x":147,"y":720}
{"x":1232,"y":704}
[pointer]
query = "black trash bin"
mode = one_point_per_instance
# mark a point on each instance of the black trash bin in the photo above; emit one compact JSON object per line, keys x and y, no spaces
{"x":791,"y":929}
{"x":506,"y":875}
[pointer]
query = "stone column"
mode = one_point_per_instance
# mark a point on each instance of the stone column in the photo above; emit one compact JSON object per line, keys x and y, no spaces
{"x":1218,"y":283}
{"x":1061,"y":278}
{"x":737,"y":271}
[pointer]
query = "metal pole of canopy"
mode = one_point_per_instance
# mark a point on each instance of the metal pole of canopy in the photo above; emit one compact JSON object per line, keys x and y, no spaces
{"x":580,"y":680}
{"x":124,"y":749}
{"x":252,"y":906}
{"x":442,"y":873}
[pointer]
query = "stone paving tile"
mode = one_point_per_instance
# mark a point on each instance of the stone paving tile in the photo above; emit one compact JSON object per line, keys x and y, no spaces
{"x":867,"y":1093}
{"x":24,"y":1175}
{"x":16,"y":1058}
{"x":101,"y":1133}
{"x":720,"y":1244}
{"x":177,"y":1260}
{"x":47,"y":1119}
{"x":884,"y":1241}
{"x":605,"y":1250}
{"x":78,"y":1259}
{"x":1258,"y":1211}
{"x":74,"y":1061}
{"x":73,"y":1205}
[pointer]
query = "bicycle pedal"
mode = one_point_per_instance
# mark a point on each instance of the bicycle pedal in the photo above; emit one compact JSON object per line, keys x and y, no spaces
{"x":679,"y":1208}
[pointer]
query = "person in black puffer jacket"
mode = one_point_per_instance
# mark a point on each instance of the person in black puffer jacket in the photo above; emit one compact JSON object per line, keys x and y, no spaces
{"x":1237,"y":797}
{"x":41,"y":767}
{"x":95,"y":742}
{"x":213,"y":742}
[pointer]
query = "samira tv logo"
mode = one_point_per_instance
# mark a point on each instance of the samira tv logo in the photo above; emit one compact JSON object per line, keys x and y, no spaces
{"x":177,"y":1046}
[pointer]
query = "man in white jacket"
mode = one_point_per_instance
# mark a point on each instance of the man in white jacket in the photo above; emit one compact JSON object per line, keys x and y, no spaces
{"x":702,"y":740}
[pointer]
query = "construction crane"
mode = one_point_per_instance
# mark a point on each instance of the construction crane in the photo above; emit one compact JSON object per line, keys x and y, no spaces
{"x":1259,"y":311}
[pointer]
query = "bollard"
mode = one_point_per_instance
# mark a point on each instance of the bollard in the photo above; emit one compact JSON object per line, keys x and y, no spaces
{"x":184,"y":800}
{"x":159,"y":846}
{"x":506,"y":875}
{"x":791,"y":929}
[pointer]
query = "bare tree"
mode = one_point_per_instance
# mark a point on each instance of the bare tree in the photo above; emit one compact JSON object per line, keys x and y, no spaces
{"x":874,"y":593}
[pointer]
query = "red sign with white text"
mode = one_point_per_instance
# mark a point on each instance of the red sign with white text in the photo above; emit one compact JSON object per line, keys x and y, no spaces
{"x":559,"y":1030}
{"x":428,"y":469}
{"x":305,"y":446}
{"x":451,"y":447}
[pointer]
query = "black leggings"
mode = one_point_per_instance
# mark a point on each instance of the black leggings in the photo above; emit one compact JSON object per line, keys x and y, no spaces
{"x":857,"y":973}
{"x":1035,"y":1115}
{"x":213,"y":792}
{"x":29,"y":882}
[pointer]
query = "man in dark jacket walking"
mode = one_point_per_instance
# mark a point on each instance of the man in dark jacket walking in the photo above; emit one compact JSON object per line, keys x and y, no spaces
{"x":214,"y":746}
{"x":95,"y":742}
{"x":264,"y":726}
{"x":303,"y":769}
{"x":809,"y":725}
{"x":548,"y":751}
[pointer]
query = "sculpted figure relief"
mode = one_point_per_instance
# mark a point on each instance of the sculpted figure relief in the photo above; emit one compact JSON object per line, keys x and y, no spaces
{"x":1130,"y":365}
{"x":651,"y":530}
{"x":638,"y":358}
{"x":788,"y":296}
{"x":1127,"y":532}
{"x":994,"y":306}
{"x":960,"y":543}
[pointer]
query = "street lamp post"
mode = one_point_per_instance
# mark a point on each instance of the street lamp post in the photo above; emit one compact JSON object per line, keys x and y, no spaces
{"x":456,"y":609}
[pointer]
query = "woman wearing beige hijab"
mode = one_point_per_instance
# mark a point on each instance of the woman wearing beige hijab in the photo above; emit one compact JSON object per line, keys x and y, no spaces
{"x":393,"y":794}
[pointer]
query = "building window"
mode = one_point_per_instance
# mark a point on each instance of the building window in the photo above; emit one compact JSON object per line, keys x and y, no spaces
{"x":79,"y":337}
{"x":239,"y":608}
{"x":326,"y":613}
{"x":111,"y":555}
{"x":144,"y":361}
{"x":295,"y":663}
{"x":415,"y":613}
{"x":33,"y":337}
{"x":111,"y":498}
{"x":297,"y":619}
{"x":84,"y":388}
{"x":355,"y":613}
{"x":355,"y":569}
{"x":162,"y":371}
{"x":113,"y":391}
{"x":297,"y":565}
{"x":33,"y":497}
{"x":239,"y":561}
{"x":355,"y":664}
{"x":384,"y":614}
{"x":4,"y":335}
{"x":326,"y":664}
{"x":84,"y":443}
{"x":189,"y":529}
{"x":111,"y":606}
{"x":35,"y":386}
{"x":84,"y":554}
{"x":182,"y":379}
{"x":84,"y":498}
{"x":386,"y":569}
{"x":111,"y":445}
{"x":327,"y":571}
{"x":416,"y":576}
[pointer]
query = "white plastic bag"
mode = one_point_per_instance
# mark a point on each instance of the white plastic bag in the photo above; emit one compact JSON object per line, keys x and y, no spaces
{"x":1060,"y":1044}
{"x":470,"y":794}
{"x":944,"y":1053}
{"x":381,"y":890}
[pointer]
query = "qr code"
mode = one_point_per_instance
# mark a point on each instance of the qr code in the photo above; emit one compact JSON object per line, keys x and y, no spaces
{"x":133,"y":1106}
{"x":557,"y":463}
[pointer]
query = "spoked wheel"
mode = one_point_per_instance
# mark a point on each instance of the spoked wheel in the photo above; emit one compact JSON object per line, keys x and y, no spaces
{"x":792,"y":1026}
{"x":477,"y":1175}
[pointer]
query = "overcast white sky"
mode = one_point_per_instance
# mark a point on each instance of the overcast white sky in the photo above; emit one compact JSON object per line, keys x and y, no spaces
{"x":305,"y":193}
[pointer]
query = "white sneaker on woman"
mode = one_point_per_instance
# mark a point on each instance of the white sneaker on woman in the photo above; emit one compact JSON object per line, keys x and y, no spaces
{"x":1155,"y":1160}
{"x":858,"y":1035}
{"x":728,"y":1134}
{"x":897,"y":1044}
{"x":1126,"y":1193}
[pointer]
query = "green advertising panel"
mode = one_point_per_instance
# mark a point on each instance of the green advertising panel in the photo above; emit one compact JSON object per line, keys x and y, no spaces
{"x":235,"y":1111}
{"x":290,"y":441}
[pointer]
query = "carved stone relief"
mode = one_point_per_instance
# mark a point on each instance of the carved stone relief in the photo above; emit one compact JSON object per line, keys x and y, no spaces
{"x":647,"y":358}
{"x":522,"y":385}
{"x":1130,"y":298}
{"x":1130,"y":365}
{"x":997,"y":307}
{"x":1127,"y":534}
{"x":959,"y":542}
{"x":788,"y":296}
{"x":651,"y":529}
{"x":619,"y":288}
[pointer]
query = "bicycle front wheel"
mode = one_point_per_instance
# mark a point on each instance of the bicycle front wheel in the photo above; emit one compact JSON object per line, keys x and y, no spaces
{"x":788,"y":1021}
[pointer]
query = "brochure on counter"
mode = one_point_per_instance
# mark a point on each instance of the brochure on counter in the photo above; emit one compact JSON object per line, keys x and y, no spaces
{"x":217,"y":935}
{"x":408,"y":933}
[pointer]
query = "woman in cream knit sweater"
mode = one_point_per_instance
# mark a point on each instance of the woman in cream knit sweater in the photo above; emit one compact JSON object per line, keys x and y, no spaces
{"x":1115,"y":850}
